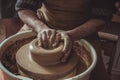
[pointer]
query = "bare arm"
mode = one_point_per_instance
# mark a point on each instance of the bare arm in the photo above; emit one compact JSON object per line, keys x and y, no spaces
{"x":86,"y":29}
{"x":30,"y":18}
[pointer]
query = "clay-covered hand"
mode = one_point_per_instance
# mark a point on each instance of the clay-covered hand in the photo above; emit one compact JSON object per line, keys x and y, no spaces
{"x":67,"y":46}
{"x":48,"y":38}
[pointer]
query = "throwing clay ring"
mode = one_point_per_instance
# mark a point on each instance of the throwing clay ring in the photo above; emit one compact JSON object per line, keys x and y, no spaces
{"x":55,"y":55}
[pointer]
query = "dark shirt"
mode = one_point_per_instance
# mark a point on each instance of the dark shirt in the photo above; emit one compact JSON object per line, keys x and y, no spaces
{"x":28,"y":4}
{"x":69,"y":13}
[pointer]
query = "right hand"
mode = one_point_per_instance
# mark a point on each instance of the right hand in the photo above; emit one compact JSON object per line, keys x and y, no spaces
{"x":67,"y":46}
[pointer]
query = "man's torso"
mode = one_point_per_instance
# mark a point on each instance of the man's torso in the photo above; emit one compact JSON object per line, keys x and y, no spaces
{"x":64,"y":14}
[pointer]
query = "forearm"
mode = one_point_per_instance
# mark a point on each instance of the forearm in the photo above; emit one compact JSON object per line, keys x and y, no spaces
{"x":30,"y":18}
{"x":86,"y":29}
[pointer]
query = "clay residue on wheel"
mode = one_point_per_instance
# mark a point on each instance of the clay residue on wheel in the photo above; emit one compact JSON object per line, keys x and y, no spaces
{"x":8,"y":57}
{"x":9,"y":61}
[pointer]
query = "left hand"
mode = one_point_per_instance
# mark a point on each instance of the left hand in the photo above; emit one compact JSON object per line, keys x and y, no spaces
{"x":67,"y":46}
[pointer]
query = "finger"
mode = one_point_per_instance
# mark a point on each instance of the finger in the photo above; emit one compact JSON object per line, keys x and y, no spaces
{"x":49,"y":34}
{"x":44,"y":39}
{"x":57,"y":40}
{"x":67,"y":42}
{"x":67,"y":47}
{"x":52,"y":37}
{"x":39,"y":40}
{"x":66,"y":53}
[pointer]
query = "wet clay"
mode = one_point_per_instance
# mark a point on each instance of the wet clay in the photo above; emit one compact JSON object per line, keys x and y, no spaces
{"x":8,"y":57}
{"x":12,"y":49}
{"x":33,"y":69}
{"x":40,"y":63}
{"x":45,"y":56}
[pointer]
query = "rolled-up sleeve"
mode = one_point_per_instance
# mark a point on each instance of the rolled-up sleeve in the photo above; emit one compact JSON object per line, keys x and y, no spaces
{"x":102,"y":9}
{"x":28,"y":4}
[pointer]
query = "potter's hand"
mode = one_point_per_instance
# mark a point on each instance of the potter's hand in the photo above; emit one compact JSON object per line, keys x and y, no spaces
{"x":48,"y":38}
{"x":67,"y":46}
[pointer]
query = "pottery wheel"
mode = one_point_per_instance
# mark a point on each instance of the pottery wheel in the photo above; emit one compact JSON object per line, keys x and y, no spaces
{"x":36,"y":71}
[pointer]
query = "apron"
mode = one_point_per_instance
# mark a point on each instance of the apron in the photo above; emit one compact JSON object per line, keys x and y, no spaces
{"x":64,"y":14}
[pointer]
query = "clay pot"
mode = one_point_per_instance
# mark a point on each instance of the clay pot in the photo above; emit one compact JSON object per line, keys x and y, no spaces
{"x":82,"y":76}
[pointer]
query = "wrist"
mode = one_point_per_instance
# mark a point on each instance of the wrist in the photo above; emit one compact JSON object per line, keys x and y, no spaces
{"x":40,"y":26}
{"x":71,"y":33}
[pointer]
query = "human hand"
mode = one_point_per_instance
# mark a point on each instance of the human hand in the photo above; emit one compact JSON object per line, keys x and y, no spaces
{"x":48,"y":38}
{"x":67,"y":46}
